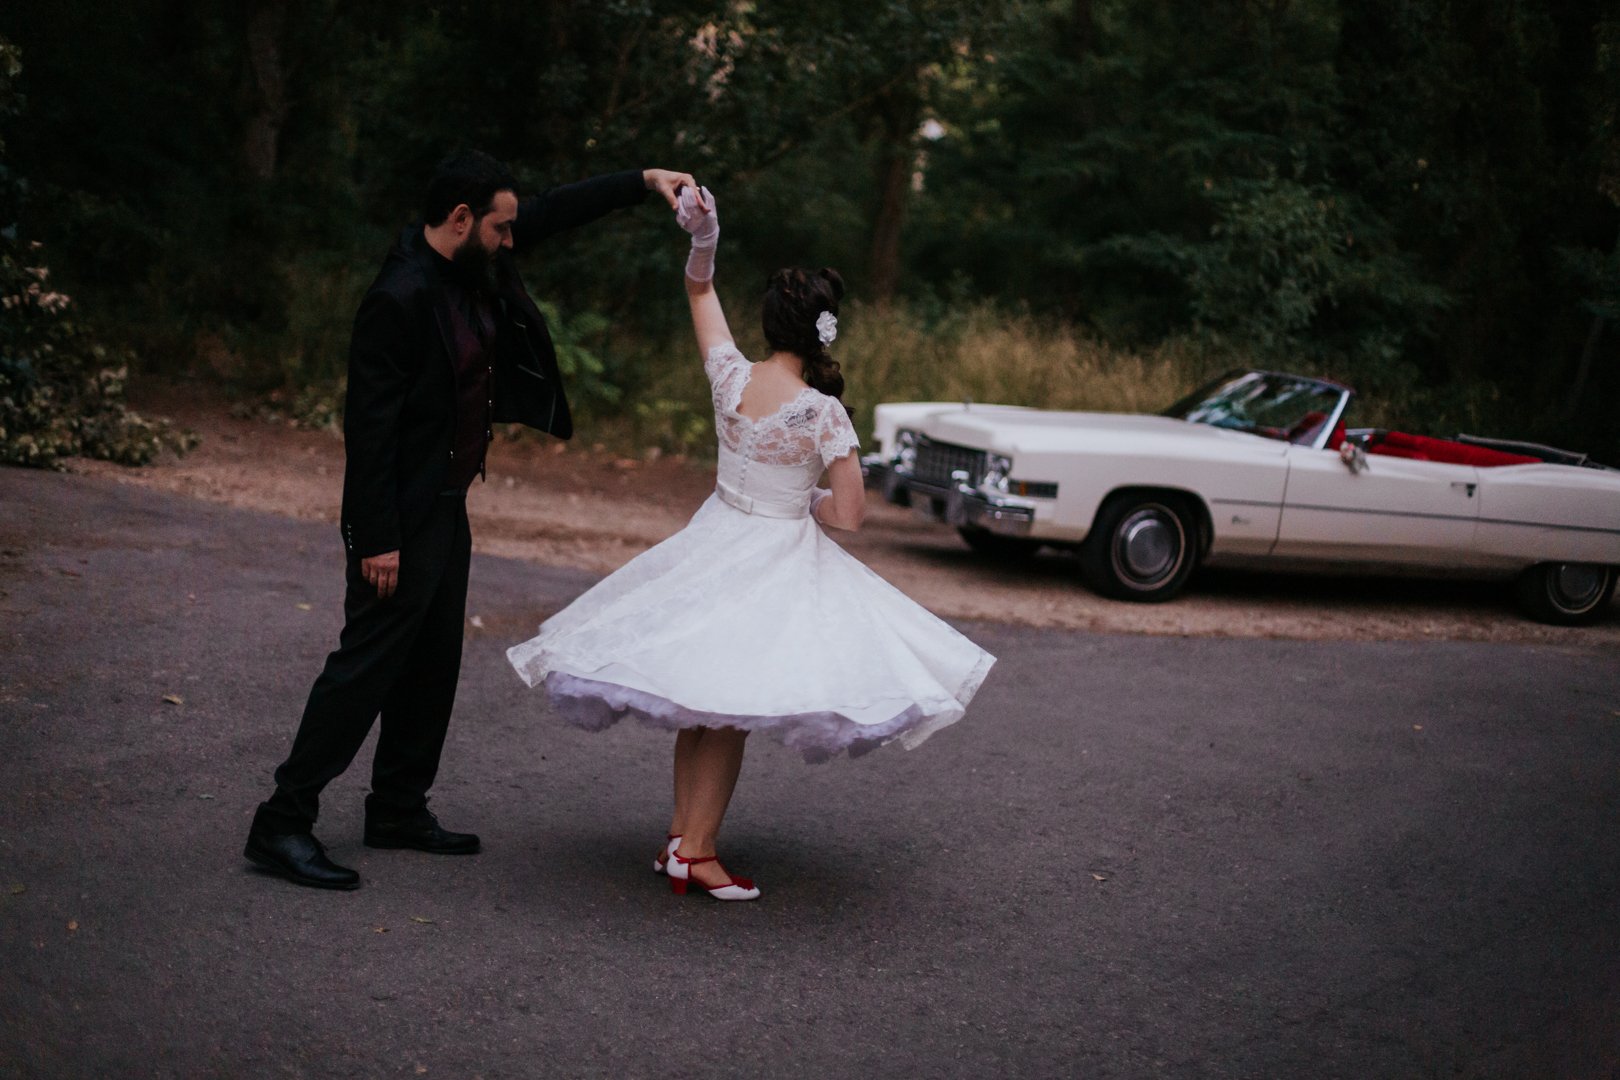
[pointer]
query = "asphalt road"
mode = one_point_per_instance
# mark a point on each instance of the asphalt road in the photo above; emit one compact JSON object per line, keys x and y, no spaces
{"x":1138,"y":856}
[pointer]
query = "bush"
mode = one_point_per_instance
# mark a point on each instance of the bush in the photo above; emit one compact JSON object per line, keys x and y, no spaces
{"x":61,"y":390}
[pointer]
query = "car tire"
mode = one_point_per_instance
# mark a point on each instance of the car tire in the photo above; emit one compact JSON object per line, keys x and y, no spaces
{"x":1566,"y":594}
{"x":997,"y":546}
{"x":1141,"y":547}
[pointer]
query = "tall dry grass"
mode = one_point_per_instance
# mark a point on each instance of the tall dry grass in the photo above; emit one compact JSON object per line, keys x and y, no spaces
{"x":986,"y":355}
{"x":894,"y":353}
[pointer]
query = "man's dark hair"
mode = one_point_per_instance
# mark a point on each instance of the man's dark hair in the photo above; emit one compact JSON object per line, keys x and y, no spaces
{"x":472,"y":177}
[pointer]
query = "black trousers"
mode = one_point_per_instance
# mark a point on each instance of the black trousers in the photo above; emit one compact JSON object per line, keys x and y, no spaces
{"x":399,"y":658}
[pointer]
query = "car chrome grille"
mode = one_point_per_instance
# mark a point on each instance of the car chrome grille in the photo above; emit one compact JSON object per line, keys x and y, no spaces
{"x":936,"y":461}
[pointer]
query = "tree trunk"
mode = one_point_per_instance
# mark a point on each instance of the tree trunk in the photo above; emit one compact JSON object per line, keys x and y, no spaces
{"x":898,"y":115}
{"x":1081,"y":35}
{"x":1583,"y":370}
{"x":1082,"y":29}
{"x":261,"y":141}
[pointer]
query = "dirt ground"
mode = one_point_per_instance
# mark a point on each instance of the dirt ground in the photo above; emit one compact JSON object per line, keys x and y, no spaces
{"x":582,"y":506}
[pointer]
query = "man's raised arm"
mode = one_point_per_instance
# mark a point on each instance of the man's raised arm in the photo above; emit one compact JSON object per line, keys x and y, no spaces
{"x":565,"y":207}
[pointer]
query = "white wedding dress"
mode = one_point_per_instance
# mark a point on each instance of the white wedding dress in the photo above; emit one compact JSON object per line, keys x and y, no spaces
{"x":751,"y":617}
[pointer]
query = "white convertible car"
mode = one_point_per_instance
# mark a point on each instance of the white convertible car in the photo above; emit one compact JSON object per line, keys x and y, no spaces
{"x":1255,"y":467}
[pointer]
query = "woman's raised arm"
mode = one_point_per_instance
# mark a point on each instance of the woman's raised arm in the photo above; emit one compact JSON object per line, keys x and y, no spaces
{"x":695,"y":210}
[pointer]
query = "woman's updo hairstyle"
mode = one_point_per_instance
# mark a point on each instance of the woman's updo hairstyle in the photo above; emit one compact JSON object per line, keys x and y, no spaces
{"x":794,"y":299}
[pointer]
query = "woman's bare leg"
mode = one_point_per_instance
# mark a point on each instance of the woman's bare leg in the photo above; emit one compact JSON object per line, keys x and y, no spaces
{"x":686,"y":741}
{"x":707,"y":763}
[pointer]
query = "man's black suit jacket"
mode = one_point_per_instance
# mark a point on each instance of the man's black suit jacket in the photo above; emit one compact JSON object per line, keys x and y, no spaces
{"x":399,"y":415}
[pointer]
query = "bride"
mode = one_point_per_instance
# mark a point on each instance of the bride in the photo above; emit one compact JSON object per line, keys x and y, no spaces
{"x":751,"y":618}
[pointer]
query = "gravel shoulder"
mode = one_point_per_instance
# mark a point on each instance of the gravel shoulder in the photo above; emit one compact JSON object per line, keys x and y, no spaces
{"x":582,"y":507}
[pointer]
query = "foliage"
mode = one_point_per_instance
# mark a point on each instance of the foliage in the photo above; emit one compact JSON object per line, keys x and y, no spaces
{"x":1421,"y":197}
{"x":582,"y":369}
{"x":60,"y":387}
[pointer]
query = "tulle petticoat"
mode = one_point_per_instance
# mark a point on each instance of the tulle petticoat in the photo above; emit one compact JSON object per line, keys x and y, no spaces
{"x":758,"y":623}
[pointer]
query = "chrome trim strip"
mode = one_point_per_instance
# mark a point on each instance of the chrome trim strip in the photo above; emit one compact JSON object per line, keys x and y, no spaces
{"x":1246,"y":502}
{"x":1448,"y":517}
{"x":1549,"y":525}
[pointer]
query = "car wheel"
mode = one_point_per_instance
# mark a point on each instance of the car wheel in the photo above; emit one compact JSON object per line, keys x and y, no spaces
{"x":1566,"y":594}
{"x":1141,"y":547}
{"x":997,"y":546}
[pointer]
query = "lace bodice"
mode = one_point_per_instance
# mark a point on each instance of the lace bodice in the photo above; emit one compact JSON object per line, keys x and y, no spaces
{"x":776,"y":459}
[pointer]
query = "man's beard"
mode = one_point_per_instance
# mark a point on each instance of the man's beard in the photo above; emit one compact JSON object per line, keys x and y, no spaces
{"x":475,"y":264}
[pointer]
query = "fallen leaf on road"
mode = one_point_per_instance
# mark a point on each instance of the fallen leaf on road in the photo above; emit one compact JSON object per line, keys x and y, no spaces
{"x":420,"y":1069}
{"x":305,"y":607}
{"x":73,"y":924}
{"x":418,"y":918}
{"x":174,"y":699}
{"x":18,"y":890}
{"x":380,"y":929}
{"x":477,"y":620}
{"x":1417,"y":727}
{"x":1100,"y":877}
{"x":68,"y":573}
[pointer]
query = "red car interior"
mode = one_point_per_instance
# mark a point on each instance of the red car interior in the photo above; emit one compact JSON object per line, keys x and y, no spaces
{"x":1400,"y":444}
{"x":1425,"y":448}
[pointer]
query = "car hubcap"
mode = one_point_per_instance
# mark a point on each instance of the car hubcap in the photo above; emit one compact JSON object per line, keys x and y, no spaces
{"x":1577,"y":586}
{"x":1148,"y":544}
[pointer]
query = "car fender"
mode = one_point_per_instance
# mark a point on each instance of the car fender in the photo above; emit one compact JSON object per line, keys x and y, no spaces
{"x":1549,"y":513}
{"x":1236,"y":479}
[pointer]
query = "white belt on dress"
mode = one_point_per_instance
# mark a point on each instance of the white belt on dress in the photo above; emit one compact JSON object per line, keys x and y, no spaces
{"x":758,"y":507}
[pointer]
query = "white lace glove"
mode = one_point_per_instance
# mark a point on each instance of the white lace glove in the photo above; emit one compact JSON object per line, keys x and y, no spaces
{"x":817,"y":497}
{"x":704,"y":225}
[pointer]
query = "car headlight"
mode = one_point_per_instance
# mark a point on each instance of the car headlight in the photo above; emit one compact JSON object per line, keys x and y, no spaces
{"x":905,"y":450}
{"x":997,"y":470}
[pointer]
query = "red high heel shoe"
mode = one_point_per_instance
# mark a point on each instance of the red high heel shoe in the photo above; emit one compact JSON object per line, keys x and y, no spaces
{"x":680,"y":873}
{"x":672,"y":841}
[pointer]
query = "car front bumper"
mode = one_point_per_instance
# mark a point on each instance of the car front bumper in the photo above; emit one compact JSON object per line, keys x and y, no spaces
{"x":968,"y":508}
{"x":881,"y":476}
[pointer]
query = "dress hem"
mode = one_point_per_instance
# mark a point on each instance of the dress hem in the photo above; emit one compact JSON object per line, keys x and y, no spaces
{"x":595,"y":705}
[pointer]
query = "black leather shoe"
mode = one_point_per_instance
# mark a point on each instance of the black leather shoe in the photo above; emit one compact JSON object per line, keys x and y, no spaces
{"x":298,"y":857}
{"x":420,"y":832}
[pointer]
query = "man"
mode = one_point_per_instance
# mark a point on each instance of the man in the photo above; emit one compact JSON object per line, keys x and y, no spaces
{"x":446,"y":344}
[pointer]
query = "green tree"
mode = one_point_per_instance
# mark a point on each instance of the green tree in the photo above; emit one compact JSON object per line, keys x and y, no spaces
{"x":61,"y":388}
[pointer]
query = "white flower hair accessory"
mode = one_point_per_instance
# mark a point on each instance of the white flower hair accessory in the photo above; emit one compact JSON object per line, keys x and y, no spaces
{"x":827,"y":327}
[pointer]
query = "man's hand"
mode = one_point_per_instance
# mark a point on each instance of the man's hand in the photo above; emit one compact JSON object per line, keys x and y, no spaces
{"x":382,"y":571}
{"x":665,"y":183}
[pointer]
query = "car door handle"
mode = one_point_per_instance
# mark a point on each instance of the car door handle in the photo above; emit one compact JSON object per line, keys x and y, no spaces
{"x":1464,"y":486}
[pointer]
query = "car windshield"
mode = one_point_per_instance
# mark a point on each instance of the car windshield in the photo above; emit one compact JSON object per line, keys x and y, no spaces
{"x":1285,"y":407}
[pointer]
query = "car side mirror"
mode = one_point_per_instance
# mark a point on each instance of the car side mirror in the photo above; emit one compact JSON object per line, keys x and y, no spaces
{"x":1353,"y":456}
